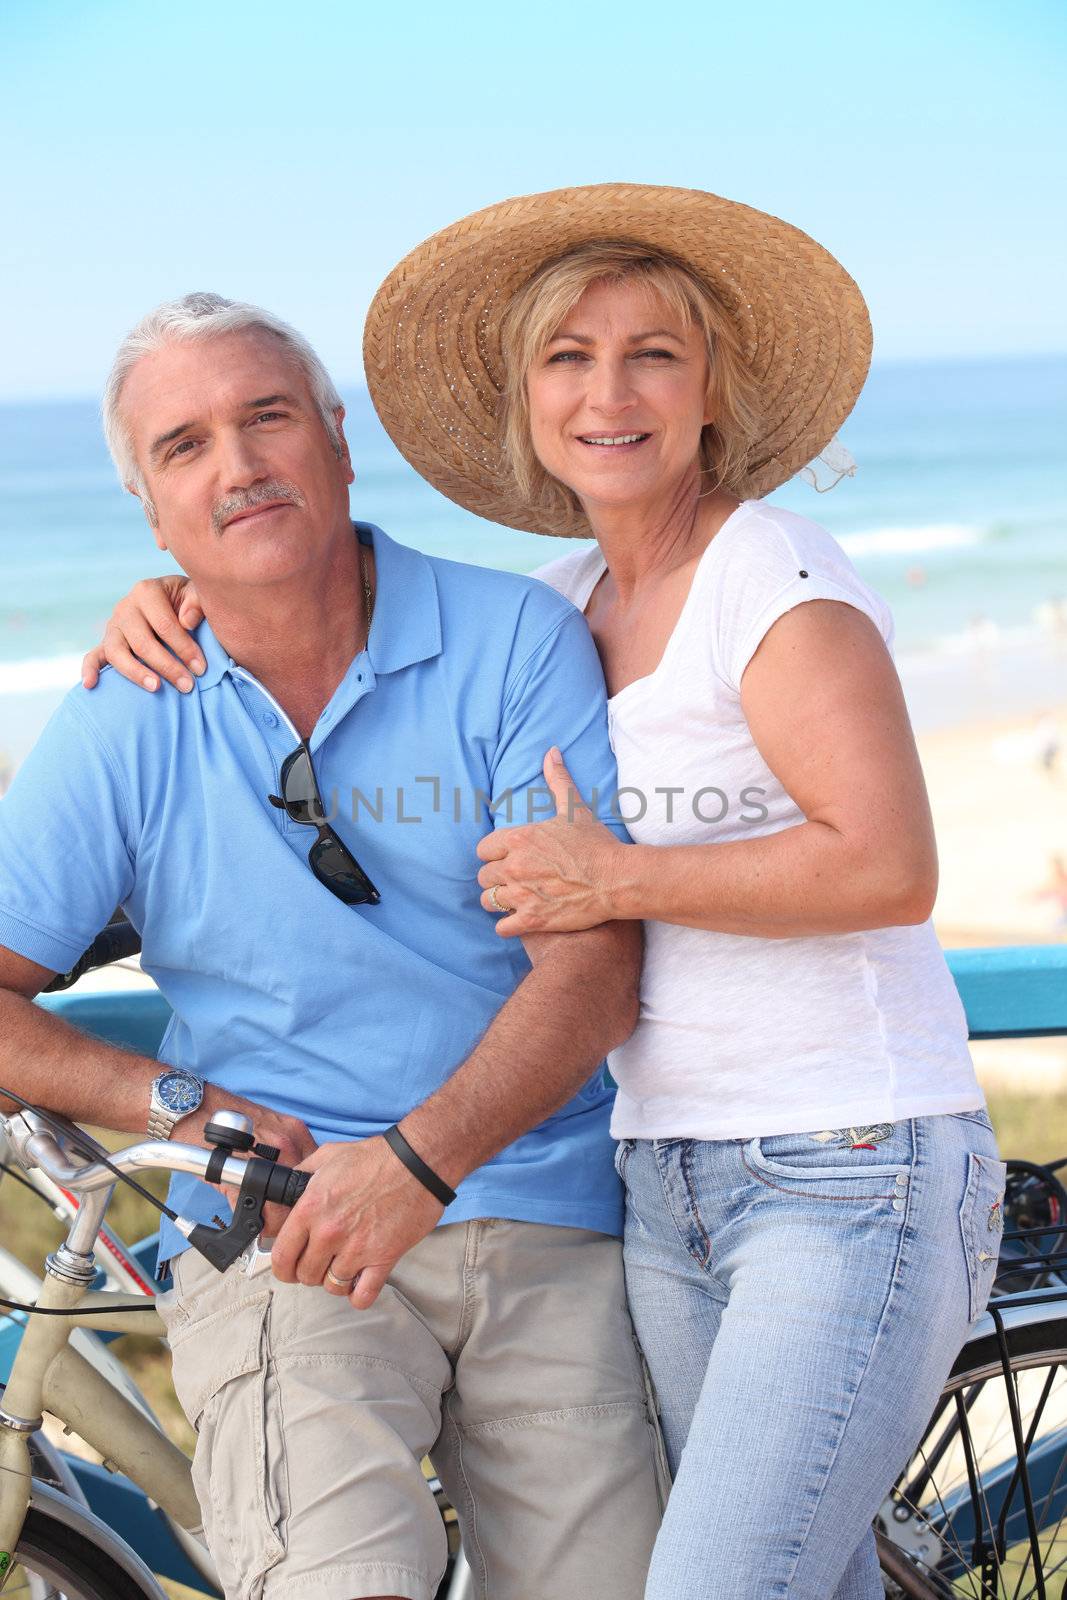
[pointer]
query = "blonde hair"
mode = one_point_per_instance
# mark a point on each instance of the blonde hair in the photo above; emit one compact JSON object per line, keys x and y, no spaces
{"x":538,"y":310}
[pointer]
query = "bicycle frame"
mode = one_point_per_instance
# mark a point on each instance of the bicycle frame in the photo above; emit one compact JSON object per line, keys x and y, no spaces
{"x":48,"y":1374}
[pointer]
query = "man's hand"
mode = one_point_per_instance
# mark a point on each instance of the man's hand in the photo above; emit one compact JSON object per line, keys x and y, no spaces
{"x":360,"y":1214}
{"x":288,"y":1134}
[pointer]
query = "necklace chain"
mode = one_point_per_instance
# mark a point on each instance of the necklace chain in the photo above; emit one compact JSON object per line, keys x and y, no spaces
{"x":368,"y":604}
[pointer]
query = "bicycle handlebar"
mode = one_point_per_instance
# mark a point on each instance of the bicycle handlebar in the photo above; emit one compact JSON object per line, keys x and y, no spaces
{"x":261,"y":1181}
{"x":42,"y":1149}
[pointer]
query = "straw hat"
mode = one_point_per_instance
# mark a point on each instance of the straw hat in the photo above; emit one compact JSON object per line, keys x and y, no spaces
{"x":432,"y":340}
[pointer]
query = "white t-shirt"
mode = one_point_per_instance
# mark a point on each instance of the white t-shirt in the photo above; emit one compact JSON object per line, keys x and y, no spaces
{"x":742,"y":1036}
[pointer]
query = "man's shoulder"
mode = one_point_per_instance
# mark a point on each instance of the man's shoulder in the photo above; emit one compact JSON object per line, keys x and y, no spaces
{"x":130,"y":728}
{"x":488,"y":596}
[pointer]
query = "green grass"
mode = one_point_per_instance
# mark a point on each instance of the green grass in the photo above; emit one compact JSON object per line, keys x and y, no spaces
{"x":1030,"y":1128}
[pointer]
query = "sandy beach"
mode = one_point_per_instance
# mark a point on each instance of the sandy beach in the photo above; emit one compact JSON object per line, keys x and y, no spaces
{"x":1001,"y":818}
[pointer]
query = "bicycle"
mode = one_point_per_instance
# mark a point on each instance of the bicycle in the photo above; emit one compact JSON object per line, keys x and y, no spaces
{"x":55,"y":1544}
{"x":980,"y":1510}
{"x":123,"y":1268}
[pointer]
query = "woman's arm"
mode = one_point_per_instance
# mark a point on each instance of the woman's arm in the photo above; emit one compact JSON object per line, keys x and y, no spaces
{"x":826,"y":712}
{"x":144,"y":629}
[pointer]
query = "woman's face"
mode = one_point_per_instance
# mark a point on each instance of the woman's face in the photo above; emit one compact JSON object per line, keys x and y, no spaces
{"x":619,"y":397}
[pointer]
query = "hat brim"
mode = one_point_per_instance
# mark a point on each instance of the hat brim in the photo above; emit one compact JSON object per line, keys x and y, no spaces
{"x":432,"y":339}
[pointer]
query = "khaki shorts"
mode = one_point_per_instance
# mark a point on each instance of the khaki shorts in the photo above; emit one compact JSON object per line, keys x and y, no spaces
{"x":502,"y":1349}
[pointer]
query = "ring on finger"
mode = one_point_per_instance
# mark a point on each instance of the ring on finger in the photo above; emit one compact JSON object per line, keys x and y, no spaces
{"x":498,"y":904}
{"x":347,"y":1284}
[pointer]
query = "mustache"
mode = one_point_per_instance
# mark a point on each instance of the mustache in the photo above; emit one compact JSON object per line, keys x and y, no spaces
{"x":271,"y":492}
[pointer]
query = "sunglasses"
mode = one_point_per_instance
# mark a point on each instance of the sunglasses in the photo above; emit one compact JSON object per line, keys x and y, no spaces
{"x":329,"y":859}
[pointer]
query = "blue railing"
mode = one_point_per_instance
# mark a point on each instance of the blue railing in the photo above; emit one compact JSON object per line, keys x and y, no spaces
{"x":1009,"y":992}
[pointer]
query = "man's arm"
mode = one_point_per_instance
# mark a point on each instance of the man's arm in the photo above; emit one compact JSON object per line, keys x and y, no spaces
{"x":364,"y":1209}
{"x":62,"y":1069}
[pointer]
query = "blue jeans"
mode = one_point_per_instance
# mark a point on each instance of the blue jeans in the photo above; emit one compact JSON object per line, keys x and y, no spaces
{"x":800,"y":1300}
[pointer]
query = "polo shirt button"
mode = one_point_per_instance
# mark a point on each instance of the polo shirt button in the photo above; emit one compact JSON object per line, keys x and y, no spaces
{"x":269,"y":719}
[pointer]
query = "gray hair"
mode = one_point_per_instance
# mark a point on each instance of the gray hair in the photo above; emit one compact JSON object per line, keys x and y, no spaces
{"x":204,"y":316}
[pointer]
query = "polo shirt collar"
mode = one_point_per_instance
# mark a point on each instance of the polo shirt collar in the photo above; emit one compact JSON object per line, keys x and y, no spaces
{"x":406,"y":626}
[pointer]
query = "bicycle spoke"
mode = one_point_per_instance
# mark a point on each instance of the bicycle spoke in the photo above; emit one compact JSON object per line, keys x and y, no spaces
{"x":967,"y":1535}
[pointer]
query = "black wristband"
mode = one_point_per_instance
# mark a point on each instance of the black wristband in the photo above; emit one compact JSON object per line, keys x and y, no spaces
{"x":417,"y":1166}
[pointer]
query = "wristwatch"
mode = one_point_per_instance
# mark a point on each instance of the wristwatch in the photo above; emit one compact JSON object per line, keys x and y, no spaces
{"x":174,"y":1094}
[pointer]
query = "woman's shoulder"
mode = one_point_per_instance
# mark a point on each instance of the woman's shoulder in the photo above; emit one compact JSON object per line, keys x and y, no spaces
{"x":771,"y":536}
{"x":769,"y":561}
{"x":574,"y":574}
{"x":768,"y":549}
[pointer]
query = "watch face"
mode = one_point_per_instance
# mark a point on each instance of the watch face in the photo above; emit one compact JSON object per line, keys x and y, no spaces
{"x":179,"y":1092}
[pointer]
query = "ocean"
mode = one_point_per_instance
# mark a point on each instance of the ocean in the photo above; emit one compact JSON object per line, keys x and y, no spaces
{"x":957,"y":515}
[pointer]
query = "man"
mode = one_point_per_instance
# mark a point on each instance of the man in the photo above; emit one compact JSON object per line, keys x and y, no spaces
{"x":337,"y":994}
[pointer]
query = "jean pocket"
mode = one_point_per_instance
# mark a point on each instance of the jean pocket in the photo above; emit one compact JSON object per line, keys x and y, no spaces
{"x":980,"y":1117}
{"x":982,"y":1226}
{"x":623,"y":1151}
{"x":880,"y":1153}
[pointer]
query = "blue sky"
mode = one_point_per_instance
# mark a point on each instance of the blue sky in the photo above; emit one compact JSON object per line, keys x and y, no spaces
{"x":290,"y":153}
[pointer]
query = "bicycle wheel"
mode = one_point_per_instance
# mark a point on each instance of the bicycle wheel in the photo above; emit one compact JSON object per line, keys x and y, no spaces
{"x":957,"y":1522}
{"x":57,"y":1562}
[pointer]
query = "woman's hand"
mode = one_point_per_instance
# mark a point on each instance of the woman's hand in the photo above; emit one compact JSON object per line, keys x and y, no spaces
{"x":556,"y":876}
{"x":142,"y":632}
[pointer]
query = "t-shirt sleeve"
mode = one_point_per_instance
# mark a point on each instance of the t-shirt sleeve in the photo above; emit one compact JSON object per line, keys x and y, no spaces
{"x":770,"y":576}
{"x":65,"y":859}
{"x":555,"y":697}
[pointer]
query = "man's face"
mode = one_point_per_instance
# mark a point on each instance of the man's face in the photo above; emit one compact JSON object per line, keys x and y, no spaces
{"x":247,"y":485}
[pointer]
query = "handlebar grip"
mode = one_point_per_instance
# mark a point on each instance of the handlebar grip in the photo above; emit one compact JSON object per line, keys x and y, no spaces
{"x":286,"y":1185}
{"x":298,"y":1182}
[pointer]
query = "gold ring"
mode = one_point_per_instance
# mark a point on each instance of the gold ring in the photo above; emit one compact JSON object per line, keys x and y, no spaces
{"x":340,"y":1283}
{"x":498,"y":905}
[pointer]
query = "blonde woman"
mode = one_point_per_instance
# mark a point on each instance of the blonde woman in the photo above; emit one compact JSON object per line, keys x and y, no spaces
{"x":813,"y":1189}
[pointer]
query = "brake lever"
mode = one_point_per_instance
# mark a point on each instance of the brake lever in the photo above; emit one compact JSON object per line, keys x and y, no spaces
{"x":231,"y":1131}
{"x":222,"y":1246}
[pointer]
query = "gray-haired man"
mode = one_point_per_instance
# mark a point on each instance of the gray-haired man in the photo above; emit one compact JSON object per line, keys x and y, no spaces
{"x":338,"y":995}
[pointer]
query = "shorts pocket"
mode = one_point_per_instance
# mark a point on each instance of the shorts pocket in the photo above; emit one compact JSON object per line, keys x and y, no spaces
{"x":660,"y":1465}
{"x":224,"y":1378}
{"x":982,"y":1226}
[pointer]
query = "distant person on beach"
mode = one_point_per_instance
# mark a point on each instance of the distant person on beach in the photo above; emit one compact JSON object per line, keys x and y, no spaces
{"x":1049,"y":744}
{"x":812,"y":1180}
{"x":451,"y":1282}
{"x":1056,"y":891}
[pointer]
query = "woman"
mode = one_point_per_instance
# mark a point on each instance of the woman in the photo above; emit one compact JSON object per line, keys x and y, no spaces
{"x":812,"y":1186}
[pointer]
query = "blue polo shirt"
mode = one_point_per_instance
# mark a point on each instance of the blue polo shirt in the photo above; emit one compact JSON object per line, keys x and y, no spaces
{"x":346,"y":1017}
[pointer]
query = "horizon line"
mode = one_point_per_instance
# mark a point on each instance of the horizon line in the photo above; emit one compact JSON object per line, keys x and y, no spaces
{"x":359,"y":385}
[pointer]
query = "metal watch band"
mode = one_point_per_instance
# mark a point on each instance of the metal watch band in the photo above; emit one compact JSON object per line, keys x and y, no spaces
{"x":417,"y":1166}
{"x":161,"y":1122}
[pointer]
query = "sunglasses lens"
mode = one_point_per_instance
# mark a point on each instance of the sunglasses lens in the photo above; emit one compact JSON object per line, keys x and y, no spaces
{"x":298,"y":788}
{"x":338,"y":870}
